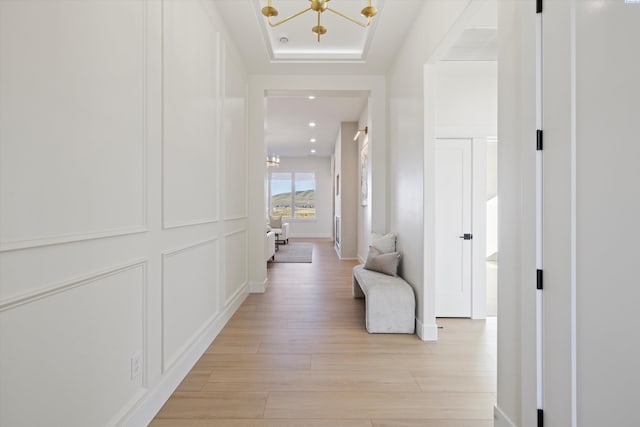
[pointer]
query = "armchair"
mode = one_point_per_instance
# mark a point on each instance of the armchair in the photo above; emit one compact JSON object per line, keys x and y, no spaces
{"x":281,"y":229}
{"x":269,"y":246}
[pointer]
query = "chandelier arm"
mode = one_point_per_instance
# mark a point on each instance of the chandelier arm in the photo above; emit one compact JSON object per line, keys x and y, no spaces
{"x":348,"y":18}
{"x":288,"y":19}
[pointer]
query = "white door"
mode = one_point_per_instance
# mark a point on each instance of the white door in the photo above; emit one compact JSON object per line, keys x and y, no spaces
{"x":453,"y":222}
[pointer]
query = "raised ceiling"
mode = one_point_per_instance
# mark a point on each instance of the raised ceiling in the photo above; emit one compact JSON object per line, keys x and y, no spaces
{"x":345,"y":49}
{"x":293,"y":41}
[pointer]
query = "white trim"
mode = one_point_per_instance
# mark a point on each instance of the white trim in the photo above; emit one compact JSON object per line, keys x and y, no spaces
{"x":151,"y":402}
{"x":238,"y":231}
{"x":220,"y":81}
{"x":13,"y":245}
{"x":479,"y":228}
{"x":538,"y":218}
{"x":51,"y":290}
{"x":258,"y":287}
{"x":501,"y":419}
{"x":426,"y":332}
{"x":235,"y":218}
{"x":310,"y":235}
{"x":574,"y":351}
{"x":168,"y":226}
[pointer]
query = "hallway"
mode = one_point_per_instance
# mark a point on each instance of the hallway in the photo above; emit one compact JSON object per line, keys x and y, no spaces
{"x":299,"y":355}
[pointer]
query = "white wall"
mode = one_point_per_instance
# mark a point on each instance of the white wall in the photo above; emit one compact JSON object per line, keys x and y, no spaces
{"x":466,"y":99}
{"x":322,"y":225}
{"x":123,"y":204}
{"x":411,"y":156}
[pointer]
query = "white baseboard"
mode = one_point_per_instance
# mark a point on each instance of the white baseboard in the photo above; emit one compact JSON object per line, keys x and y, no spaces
{"x":501,"y":419}
{"x":258,"y":287}
{"x":426,"y":332}
{"x":156,"y":396}
{"x":310,"y":236}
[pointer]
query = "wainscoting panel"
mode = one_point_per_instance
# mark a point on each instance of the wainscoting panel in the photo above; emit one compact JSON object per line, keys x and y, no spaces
{"x":190,"y":105}
{"x":62,"y":349}
{"x":189,"y":296}
{"x":236,"y":266}
{"x":71,"y":168}
{"x":234,"y":139}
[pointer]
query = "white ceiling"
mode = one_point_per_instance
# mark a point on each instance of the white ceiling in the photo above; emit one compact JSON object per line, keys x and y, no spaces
{"x":287,"y":130}
{"x":345,"y":49}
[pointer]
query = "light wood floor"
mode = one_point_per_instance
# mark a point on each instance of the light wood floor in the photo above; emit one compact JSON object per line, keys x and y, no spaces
{"x":299,"y":355}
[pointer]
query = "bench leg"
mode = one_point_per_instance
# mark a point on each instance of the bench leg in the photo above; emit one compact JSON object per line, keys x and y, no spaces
{"x":357,"y":291}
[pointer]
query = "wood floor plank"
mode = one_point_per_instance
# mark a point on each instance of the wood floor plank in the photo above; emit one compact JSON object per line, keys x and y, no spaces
{"x":196,"y":379}
{"x":255,"y":361}
{"x":450,"y":363}
{"x":261,"y":423}
{"x":432,"y":423}
{"x":365,"y":404}
{"x":286,"y":380}
{"x":214,"y":405}
{"x":299,"y":356}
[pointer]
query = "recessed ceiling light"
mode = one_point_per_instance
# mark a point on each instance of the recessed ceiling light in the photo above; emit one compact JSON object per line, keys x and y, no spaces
{"x":313,"y":151}
{"x":312,"y":140}
{"x":311,"y":97}
{"x":284,"y":39}
{"x":312,"y":124}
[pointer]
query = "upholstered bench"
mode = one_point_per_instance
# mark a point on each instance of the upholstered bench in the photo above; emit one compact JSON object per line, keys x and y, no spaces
{"x":390,"y":303}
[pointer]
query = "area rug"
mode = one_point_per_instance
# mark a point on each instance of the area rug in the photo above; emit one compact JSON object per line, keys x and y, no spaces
{"x":295,"y":252}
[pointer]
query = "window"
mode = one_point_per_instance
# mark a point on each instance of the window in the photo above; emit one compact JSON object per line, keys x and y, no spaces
{"x":293,"y":195}
{"x":305,"y":195}
{"x":281,"y":194}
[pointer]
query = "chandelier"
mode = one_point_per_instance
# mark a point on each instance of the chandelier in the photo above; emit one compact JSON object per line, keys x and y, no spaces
{"x":273,"y":161}
{"x":319,"y":6}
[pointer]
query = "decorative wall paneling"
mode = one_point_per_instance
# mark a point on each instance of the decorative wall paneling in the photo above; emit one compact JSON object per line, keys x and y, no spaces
{"x":72,"y":168}
{"x":191,"y":97}
{"x":64,"y":348}
{"x":189,"y":296}
{"x":234,"y":138}
{"x":235,"y":264}
{"x":111,"y":194}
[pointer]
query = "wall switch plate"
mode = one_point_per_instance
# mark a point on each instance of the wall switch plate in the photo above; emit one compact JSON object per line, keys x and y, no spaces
{"x":136,"y":365}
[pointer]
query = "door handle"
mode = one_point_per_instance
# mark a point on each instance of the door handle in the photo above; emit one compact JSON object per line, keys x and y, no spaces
{"x":466,"y":236}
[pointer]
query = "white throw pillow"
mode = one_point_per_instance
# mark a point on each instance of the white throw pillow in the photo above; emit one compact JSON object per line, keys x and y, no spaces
{"x":276,"y":222}
{"x":385,"y":244}
{"x":382,"y":263}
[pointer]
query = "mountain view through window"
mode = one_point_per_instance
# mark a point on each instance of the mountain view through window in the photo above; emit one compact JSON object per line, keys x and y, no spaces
{"x":293,"y":194}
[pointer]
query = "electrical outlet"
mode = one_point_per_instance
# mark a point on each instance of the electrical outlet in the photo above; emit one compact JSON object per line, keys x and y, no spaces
{"x":136,"y":365}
